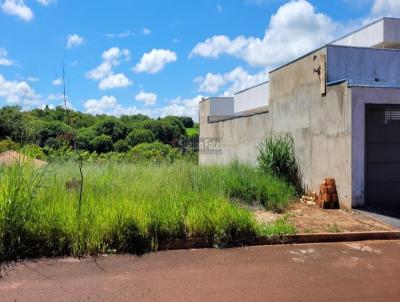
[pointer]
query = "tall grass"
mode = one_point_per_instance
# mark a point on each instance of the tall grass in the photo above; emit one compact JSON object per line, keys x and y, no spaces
{"x":129,"y":207}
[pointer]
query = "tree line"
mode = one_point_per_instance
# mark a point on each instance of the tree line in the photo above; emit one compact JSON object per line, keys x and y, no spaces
{"x":51,"y":129}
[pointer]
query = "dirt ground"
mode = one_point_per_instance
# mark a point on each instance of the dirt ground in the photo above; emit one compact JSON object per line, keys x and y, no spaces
{"x":312,"y":219}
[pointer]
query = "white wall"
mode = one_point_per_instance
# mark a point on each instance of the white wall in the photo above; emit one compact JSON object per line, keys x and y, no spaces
{"x":384,"y":33}
{"x":252,"y":98}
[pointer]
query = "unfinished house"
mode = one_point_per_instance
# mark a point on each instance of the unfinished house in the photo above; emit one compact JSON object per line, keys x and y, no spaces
{"x":340,"y":103}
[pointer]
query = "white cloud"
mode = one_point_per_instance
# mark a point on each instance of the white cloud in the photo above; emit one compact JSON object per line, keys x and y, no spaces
{"x":155,"y":60}
{"x":57,"y":82}
{"x":149,"y":98}
{"x":18,"y":93}
{"x":182,"y":107}
{"x":45,"y":2}
{"x":3,"y":58}
{"x":74,"y":40}
{"x":104,"y":72}
{"x":118,"y":80}
{"x":110,"y":106}
{"x":386,"y":8}
{"x":295,"y":29}
{"x":32,"y":79}
{"x":123,"y":34}
{"x":237,"y":79}
{"x":17,"y":8}
{"x":146,"y":31}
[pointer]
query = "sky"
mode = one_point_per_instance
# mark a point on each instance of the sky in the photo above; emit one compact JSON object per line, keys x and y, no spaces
{"x":158,"y":57}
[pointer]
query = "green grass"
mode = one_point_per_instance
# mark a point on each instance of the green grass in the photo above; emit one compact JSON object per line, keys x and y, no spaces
{"x":131,"y":207}
{"x":192,"y":132}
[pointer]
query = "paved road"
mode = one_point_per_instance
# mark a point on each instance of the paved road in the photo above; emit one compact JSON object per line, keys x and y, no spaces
{"x":360,"y":271}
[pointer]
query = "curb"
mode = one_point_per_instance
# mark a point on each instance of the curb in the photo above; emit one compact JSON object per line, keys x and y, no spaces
{"x":182,"y":244}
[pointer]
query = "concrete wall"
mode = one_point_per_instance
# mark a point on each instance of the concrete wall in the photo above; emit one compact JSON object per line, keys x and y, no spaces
{"x":360,"y":97}
{"x":240,"y":137}
{"x":320,"y":126}
{"x":364,"y":66}
{"x":252,"y":98}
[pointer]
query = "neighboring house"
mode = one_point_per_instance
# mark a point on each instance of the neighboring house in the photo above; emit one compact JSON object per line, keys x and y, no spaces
{"x":10,"y":158}
{"x":340,"y":103}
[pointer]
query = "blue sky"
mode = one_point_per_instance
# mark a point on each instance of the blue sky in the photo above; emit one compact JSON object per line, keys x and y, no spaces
{"x":159,"y":57}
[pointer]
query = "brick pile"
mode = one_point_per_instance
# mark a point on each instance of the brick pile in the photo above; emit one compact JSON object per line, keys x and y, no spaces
{"x":328,"y":197}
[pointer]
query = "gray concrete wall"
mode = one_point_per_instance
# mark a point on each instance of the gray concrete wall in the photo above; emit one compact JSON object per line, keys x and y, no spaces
{"x":360,"y":97}
{"x":364,"y":66}
{"x":240,"y":137}
{"x":320,"y":126}
{"x":221,"y":106}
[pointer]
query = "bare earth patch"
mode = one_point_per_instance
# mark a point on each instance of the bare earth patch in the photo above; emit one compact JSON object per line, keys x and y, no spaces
{"x":312,"y":219}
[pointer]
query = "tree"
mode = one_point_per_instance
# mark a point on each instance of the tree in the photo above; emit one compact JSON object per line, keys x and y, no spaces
{"x":113,"y":127}
{"x":139,"y":136}
{"x":12,"y":124}
{"x":121,"y":146}
{"x":84,"y":137}
{"x":187,"y":121}
{"x":102,"y":143}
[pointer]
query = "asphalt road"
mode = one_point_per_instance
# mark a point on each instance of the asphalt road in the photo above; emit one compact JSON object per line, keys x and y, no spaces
{"x":359,"y":271}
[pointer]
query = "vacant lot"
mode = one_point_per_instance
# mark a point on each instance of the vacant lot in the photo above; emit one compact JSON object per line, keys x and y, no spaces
{"x":131,"y":207}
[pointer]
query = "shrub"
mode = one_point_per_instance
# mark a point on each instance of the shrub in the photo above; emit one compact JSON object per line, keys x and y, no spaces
{"x":7,"y":144}
{"x":140,"y":136}
{"x":277,"y":157}
{"x":121,"y":146}
{"x":153,"y":152}
{"x":102,"y":143}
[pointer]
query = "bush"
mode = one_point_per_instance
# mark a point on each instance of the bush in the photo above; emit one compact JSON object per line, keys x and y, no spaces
{"x":102,"y":143}
{"x":121,"y":146}
{"x":153,"y":152}
{"x":277,"y":157}
{"x":7,"y":144}
{"x":140,"y":136}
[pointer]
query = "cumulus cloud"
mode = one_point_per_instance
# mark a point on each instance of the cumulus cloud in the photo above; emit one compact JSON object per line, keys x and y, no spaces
{"x":18,"y":93}
{"x":32,"y":79}
{"x":74,"y":40}
{"x":149,"y":98}
{"x":109,"y":105}
{"x":155,"y":60}
{"x":104,"y":72}
{"x":118,"y":80}
{"x":386,"y":8}
{"x":4,"y":60}
{"x":295,"y":29}
{"x":234,"y":81}
{"x":17,"y":8}
{"x":57,"y":82}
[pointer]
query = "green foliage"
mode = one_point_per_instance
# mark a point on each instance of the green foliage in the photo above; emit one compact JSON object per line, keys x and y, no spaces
{"x":12,"y":124}
{"x":84,"y":138}
{"x":102,"y":143}
{"x":187,"y":121}
{"x":112,"y":127}
{"x":192,"y":132}
{"x":125,"y":207}
{"x":153,"y":152}
{"x":121,"y":146}
{"x":7,"y":144}
{"x":277,"y":157}
{"x":139,"y":136}
{"x":248,"y":185}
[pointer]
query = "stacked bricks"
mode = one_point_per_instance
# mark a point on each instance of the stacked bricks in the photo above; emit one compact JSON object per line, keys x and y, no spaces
{"x":328,"y":197}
